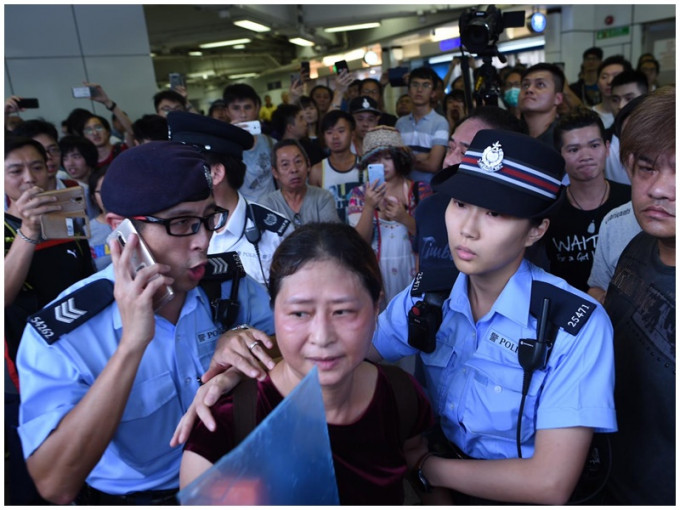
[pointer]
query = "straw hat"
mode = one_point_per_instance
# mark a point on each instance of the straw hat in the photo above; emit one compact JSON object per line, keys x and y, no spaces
{"x":382,"y":138}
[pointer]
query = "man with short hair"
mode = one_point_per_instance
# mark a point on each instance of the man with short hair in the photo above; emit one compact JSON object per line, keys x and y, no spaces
{"x":641,"y":304}
{"x":298,"y":201}
{"x":148,"y":128}
{"x":586,"y":87}
{"x":539,"y":97}
{"x":290,"y":122}
{"x":366,"y":115}
{"x":572,"y":236}
{"x":218,"y":110}
{"x":252,"y":231}
{"x":167,"y":101}
{"x":424,"y":130}
{"x":243,"y":105}
{"x":46,"y":134}
{"x":650,"y":67}
{"x":608,"y":70}
{"x":105,"y":378}
{"x":373,"y":88}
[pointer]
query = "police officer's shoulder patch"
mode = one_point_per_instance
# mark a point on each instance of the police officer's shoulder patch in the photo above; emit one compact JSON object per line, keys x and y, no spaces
{"x":267,"y":219}
{"x":433,"y":281}
{"x":69,"y":312}
{"x":567,"y":310}
{"x":224,"y":266}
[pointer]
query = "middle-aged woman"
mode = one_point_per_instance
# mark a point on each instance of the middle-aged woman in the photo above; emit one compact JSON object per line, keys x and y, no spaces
{"x":384,"y":213}
{"x":325,"y":285}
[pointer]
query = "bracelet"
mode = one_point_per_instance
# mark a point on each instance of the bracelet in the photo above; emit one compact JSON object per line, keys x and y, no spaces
{"x":240,"y":327}
{"x":113,"y":105}
{"x":28,"y":239}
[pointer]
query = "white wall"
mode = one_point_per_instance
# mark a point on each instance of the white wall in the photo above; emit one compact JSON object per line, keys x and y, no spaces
{"x":51,"y":48}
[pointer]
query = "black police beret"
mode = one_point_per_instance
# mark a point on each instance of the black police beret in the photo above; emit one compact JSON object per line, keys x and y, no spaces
{"x":153,"y":177}
{"x":509,"y":173}
{"x":210,"y":134}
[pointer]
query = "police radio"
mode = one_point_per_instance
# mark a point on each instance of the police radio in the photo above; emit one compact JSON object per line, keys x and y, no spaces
{"x":425,"y":316}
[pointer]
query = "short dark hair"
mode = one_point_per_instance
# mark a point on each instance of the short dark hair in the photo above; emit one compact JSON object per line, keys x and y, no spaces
{"x":318,"y":87}
{"x":306,"y":101}
{"x":370,"y":80}
{"x":234,"y":168}
{"x":35,"y":127}
{"x":496,"y":117}
{"x":169,"y":95}
{"x":423,"y":73}
{"x":577,"y":118}
{"x":593,"y":51}
{"x":92,"y":184}
{"x":336,"y":242}
{"x":555,"y":71}
{"x":456,"y":95}
{"x":652,"y":60}
{"x":150,"y":127}
{"x":284,"y":115}
{"x":626,"y":77}
{"x":240,"y":92}
{"x":624,"y":113}
{"x":288,"y":142}
{"x":76,"y":120}
{"x":331,"y":119}
{"x":613,"y":60}
{"x":81,"y":144}
{"x":13,"y":143}
{"x":101,"y":119}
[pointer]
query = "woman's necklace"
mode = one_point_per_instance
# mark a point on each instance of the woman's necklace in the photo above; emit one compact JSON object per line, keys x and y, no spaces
{"x":591,"y":226}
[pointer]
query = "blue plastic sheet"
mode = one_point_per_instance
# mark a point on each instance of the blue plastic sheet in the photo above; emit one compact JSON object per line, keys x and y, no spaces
{"x":286,"y":460}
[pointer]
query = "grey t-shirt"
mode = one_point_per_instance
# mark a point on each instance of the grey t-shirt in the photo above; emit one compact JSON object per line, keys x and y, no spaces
{"x":317,"y":206}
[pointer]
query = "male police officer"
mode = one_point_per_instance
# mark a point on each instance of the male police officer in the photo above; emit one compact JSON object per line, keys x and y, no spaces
{"x":104,"y":378}
{"x":252,"y":230}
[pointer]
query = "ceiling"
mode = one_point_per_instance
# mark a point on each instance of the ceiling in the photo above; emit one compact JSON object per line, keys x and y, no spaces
{"x":174,"y":30}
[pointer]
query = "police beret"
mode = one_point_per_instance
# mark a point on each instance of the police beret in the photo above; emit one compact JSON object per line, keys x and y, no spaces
{"x":153,"y":177}
{"x":509,"y":173}
{"x":211,"y":134}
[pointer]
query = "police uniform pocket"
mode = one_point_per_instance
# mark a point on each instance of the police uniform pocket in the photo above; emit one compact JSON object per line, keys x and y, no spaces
{"x":148,"y":422}
{"x":491,"y":399}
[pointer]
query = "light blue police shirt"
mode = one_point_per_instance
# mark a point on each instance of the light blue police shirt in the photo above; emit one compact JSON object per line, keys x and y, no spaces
{"x":54,"y":378}
{"x":474,"y":378}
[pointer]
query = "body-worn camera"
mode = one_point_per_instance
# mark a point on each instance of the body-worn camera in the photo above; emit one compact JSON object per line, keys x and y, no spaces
{"x":425,"y":316}
{"x":480,"y":30}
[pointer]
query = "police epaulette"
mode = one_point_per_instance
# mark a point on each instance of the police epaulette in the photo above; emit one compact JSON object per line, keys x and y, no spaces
{"x":68,"y":313}
{"x":434,"y":281}
{"x":266,"y":219}
{"x":567,"y":311}
{"x":224,"y":266}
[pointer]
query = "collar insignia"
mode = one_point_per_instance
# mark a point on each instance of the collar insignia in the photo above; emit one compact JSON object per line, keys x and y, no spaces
{"x":492,"y":158}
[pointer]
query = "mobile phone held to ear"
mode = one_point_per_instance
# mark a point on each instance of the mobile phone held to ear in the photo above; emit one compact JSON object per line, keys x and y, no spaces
{"x":140,"y":259}
{"x":71,"y":222}
{"x":376,"y":171}
{"x":339,"y":66}
{"x":28,"y":102}
{"x":84,"y":92}
{"x":252,"y":126}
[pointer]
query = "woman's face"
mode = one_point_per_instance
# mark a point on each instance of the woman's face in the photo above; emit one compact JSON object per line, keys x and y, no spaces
{"x":96,"y":132}
{"x":324,"y":317}
{"x":311,"y":113}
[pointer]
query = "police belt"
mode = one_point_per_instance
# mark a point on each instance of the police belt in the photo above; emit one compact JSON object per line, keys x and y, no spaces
{"x":91,"y":496}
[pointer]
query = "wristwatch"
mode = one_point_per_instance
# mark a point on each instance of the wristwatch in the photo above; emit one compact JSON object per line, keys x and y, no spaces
{"x":421,"y":480}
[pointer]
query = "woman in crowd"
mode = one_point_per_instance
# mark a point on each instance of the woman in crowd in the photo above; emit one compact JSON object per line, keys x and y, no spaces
{"x":99,"y":228}
{"x":325,"y":286}
{"x":98,"y":130}
{"x":312,"y":118}
{"x":384,"y":213}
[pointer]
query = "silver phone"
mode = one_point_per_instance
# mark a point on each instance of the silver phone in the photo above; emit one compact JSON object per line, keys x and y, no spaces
{"x":376,"y":171}
{"x":141,"y":258}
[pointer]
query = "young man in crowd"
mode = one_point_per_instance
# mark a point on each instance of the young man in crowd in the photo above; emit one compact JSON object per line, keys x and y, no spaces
{"x":586,"y":87}
{"x":608,"y":70}
{"x":572,"y":237}
{"x":79,"y":159}
{"x":243,"y":105}
{"x":102,"y":394}
{"x":539,"y":97}
{"x":424,"y":130}
{"x":252,"y":231}
{"x":641,"y":303}
{"x":373,"y":88}
{"x":167,"y":101}
{"x":289,"y":121}
{"x":366,"y":115}
{"x":46,"y":134}
{"x":339,"y":172}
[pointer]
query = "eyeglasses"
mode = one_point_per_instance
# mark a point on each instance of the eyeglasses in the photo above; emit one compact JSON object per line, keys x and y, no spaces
{"x":90,"y":130}
{"x":182,"y":226}
{"x":420,"y":85}
{"x":53,"y":150}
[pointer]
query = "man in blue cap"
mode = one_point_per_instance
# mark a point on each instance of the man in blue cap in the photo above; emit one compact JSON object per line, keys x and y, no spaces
{"x":104,"y":377}
{"x":252,"y":230}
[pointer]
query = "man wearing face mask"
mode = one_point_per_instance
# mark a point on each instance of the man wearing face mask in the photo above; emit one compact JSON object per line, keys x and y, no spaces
{"x":511,"y":87}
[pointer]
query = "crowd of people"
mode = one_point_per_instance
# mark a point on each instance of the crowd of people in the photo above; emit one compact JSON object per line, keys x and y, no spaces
{"x":516,"y":259}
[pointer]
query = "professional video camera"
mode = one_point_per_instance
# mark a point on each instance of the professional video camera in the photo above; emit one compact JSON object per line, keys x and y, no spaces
{"x":479,"y":33}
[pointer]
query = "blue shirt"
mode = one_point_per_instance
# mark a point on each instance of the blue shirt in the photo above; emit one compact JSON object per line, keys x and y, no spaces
{"x":54,"y":378}
{"x":421,"y":136}
{"x":474,"y":378}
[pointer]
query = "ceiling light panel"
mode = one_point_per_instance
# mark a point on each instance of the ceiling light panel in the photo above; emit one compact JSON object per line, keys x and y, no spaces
{"x":347,"y":28}
{"x":252,"y":25}
{"x":219,"y":44}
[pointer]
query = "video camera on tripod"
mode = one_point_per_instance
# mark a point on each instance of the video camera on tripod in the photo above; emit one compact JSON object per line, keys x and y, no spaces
{"x":479,"y":33}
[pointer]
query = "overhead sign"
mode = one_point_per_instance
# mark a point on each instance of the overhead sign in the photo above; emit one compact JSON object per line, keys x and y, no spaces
{"x":612,"y":32}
